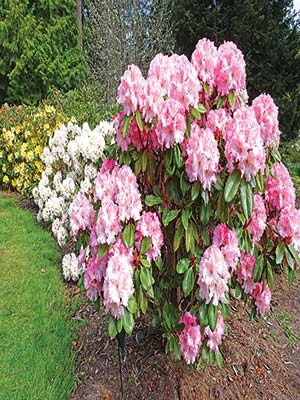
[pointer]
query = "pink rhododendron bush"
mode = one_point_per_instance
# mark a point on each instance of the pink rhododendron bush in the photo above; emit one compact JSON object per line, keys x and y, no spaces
{"x":196,"y":208}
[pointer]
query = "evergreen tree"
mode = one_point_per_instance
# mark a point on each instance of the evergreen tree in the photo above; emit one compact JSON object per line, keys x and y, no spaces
{"x":267,"y":32}
{"x":39,"y":49}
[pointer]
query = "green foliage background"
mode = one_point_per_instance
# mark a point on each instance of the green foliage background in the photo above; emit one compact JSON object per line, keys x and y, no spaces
{"x":39,"y":49}
{"x":267,"y":32}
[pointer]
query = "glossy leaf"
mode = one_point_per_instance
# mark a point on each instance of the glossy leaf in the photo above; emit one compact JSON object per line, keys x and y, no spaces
{"x":188,"y":282}
{"x":182,"y":265}
{"x":128,"y":235}
{"x":232,"y":186}
{"x":246,"y":196}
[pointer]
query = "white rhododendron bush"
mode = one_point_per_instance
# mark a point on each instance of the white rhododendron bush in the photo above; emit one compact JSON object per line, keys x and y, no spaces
{"x":71,"y":160}
{"x":196,"y":207}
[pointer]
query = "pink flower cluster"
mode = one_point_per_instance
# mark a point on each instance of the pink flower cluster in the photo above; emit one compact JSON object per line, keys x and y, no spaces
{"x":218,"y":121}
{"x":131,"y":89}
{"x":94,"y":272}
{"x":227,"y":241}
{"x":81,"y":214}
{"x":204,"y":59}
{"x":149,"y":226}
{"x":215,"y":337}
{"x":258,"y":220}
{"x":245,"y":272}
{"x":118,"y":282}
{"x":262,"y":297}
{"x":244,"y":146}
{"x":230,"y":72}
{"x":280,"y":191}
{"x":173,"y":86}
{"x":213,"y":276}
{"x":202,"y":156}
{"x":289,"y":225}
{"x":189,"y":338}
{"x":117,"y":189}
{"x":266,"y":113}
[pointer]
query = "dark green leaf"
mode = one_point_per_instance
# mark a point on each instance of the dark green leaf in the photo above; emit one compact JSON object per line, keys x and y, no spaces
{"x":143,"y":302}
{"x":146,"y":278}
{"x":212,"y":316}
{"x":178,"y":237}
{"x":280,"y":252}
{"x":289,"y":259}
{"x":294,"y":254}
{"x":202,"y":108}
{"x":132,"y":305}
{"x":219,"y":359}
{"x":203,"y":314}
{"x":258,"y":268}
{"x":246,"y":198}
{"x":139,"y":120}
{"x":169,"y":216}
{"x":182,"y":265}
{"x":112,"y":327}
{"x":126,"y":125}
{"x":270,"y":276}
{"x":102,"y":250}
{"x":186,"y":213}
{"x":195,"y":191}
{"x":195,"y":113}
{"x":221,"y":102}
{"x":128,"y":235}
{"x":232,"y":186}
{"x":231,"y":98}
{"x":151,"y":200}
{"x":145,"y":244}
{"x":188,"y":282}
{"x":128,"y":322}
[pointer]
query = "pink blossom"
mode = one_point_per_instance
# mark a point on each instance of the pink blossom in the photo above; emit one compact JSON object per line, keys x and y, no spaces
{"x":130,"y":90}
{"x":108,"y":224}
{"x":215,"y":337}
{"x":128,"y":196}
{"x":258,"y":220}
{"x":227,"y":241}
{"x":81,"y":214}
{"x":204,"y":59}
{"x":289,"y":225}
{"x":245,"y":272}
{"x":189,"y":338}
{"x":213,"y":276}
{"x":280,"y":191}
{"x":230,"y":72}
{"x":152,"y":99}
{"x":149,"y":226}
{"x":262,"y":298}
{"x":184,"y":86}
{"x":105,"y":183}
{"x":94,"y":240}
{"x":171,"y":124}
{"x":161,"y":70}
{"x":266,"y":113}
{"x":218,"y":121}
{"x":244,"y":146}
{"x":118,"y":281}
{"x":93,"y":275}
{"x":202,"y":156}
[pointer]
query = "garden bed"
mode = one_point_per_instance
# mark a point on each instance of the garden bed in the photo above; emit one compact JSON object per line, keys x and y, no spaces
{"x":259,"y":362}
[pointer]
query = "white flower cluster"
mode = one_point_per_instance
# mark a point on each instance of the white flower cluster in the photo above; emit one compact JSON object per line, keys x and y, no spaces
{"x":71,"y":268}
{"x":71,"y":160}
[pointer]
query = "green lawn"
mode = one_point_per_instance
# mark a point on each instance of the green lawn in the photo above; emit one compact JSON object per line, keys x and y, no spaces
{"x":36,"y":362}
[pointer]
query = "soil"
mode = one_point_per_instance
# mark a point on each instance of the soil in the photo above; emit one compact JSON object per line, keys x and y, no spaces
{"x":260,"y":361}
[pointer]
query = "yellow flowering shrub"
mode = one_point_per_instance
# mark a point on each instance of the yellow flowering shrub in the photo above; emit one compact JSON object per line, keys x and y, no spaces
{"x":24,"y":131}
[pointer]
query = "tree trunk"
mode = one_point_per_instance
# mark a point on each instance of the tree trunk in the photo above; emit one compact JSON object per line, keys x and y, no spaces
{"x":79,"y":20}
